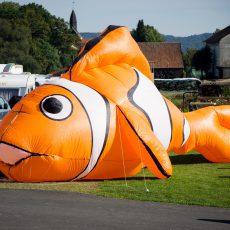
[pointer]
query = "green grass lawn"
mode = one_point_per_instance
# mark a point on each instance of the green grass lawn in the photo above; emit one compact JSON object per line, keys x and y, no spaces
{"x":174,"y":96}
{"x":194,"y":182}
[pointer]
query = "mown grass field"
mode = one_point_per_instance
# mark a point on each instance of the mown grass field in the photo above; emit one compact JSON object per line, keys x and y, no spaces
{"x":194,"y":182}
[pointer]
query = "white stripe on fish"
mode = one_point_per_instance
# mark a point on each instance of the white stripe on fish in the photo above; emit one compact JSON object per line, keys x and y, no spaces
{"x":96,"y":107}
{"x":148,"y":98}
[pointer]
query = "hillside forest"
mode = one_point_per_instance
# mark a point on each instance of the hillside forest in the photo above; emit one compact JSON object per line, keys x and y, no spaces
{"x":43,"y":43}
{"x":31,"y":36}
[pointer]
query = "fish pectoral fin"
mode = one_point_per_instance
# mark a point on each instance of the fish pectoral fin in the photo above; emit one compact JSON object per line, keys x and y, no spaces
{"x":152,"y":154}
{"x":155,"y":157}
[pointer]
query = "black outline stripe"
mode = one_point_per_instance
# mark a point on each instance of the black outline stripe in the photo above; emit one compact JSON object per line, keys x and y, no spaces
{"x":32,"y":155}
{"x":37,"y":154}
{"x":107,"y":123}
{"x":130,"y":97}
{"x":90,"y":44}
{"x":154,"y":158}
{"x":86,"y":115}
{"x":183,"y":136}
{"x":24,"y":150}
{"x":41,"y":107}
{"x":108,"y":111}
{"x":170,"y":119}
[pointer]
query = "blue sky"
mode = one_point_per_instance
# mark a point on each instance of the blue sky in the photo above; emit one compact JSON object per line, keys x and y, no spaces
{"x":171,"y":17}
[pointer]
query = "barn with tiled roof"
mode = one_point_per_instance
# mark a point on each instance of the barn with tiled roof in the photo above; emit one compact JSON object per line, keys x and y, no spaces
{"x":165,"y":58}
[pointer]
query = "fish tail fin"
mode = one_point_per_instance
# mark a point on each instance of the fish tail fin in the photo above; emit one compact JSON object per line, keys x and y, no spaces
{"x":209,"y":133}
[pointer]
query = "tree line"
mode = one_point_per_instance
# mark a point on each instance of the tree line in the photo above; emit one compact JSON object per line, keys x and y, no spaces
{"x":198,"y":60}
{"x":42,"y":43}
{"x":31,"y":36}
{"x":193,"y":58}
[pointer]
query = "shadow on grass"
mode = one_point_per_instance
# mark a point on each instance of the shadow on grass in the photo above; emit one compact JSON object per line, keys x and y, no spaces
{"x":188,"y":159}
{"x":5,"y":180}
{"x":123,"y":179}
{"x":175,"y":160}
{"x":218,"y":221}
{"x":136,"y":178}
{"x":2,"y":176}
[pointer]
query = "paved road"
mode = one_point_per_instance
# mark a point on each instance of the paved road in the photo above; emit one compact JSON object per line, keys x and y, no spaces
{"x":33,"y":209}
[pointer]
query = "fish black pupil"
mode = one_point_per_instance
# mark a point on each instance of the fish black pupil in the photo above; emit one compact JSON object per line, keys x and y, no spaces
{"x":52,"y":105}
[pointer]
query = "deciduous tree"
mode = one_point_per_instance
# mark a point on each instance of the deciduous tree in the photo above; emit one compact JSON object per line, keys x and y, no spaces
{"x":31,"y":36}
{"x":146,"y":33}
{"x":187,"y":58}
{"x":202,"y":60}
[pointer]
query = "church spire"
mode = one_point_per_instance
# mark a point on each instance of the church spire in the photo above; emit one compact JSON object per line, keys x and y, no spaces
{"x":73,"y":21}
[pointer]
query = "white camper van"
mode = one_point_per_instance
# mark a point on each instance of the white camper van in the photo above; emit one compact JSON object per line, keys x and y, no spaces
{"x":14,"y":82}
{"x":4,"y":107}
{"x":16,"y":85}
{"x":11,"y":68}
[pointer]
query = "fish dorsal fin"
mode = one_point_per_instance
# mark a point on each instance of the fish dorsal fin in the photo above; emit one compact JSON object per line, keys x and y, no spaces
{"x":114,"y":46}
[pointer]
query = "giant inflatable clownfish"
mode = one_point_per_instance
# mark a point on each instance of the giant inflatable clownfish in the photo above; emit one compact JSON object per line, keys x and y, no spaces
{"x":104,"y":117}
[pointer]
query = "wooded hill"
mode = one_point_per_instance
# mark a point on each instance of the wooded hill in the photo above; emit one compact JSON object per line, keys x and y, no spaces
{"x":42,"y":43}
{"x":193,"y":41}
{"x":31,"y":36}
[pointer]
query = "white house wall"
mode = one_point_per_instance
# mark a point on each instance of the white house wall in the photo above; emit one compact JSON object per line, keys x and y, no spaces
{"x":225,"y":55}
{"x":216,"y":58}
{"x":225,"y":51}
{"x":221,"y":57}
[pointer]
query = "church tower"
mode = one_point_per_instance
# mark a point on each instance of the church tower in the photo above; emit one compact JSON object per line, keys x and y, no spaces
{"x":73,"y":22}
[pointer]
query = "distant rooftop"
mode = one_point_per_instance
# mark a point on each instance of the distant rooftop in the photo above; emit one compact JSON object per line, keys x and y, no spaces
{"x":163,"y":54}
{"x":217,"y":36}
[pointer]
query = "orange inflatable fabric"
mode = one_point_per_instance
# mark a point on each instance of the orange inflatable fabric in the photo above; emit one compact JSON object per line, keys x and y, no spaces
{"x":105,"y":119}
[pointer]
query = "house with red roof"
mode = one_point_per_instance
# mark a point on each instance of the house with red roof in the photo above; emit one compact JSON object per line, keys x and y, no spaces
{"x":165,"y":58}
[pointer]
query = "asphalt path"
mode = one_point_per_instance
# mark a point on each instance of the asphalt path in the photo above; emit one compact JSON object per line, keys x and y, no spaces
{"x":34,"y":209}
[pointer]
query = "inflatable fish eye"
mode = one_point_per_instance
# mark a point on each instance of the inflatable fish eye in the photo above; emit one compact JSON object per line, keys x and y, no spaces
{"x":56,"y":107}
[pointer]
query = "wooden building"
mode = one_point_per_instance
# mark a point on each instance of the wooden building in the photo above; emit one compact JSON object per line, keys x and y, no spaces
{"x":165,"y":59}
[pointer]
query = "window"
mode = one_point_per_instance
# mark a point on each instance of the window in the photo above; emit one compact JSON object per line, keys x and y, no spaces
{"x":8,"y":93}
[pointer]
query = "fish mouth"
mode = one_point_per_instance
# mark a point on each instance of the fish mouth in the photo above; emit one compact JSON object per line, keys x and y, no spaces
{"x":11,"y":154}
